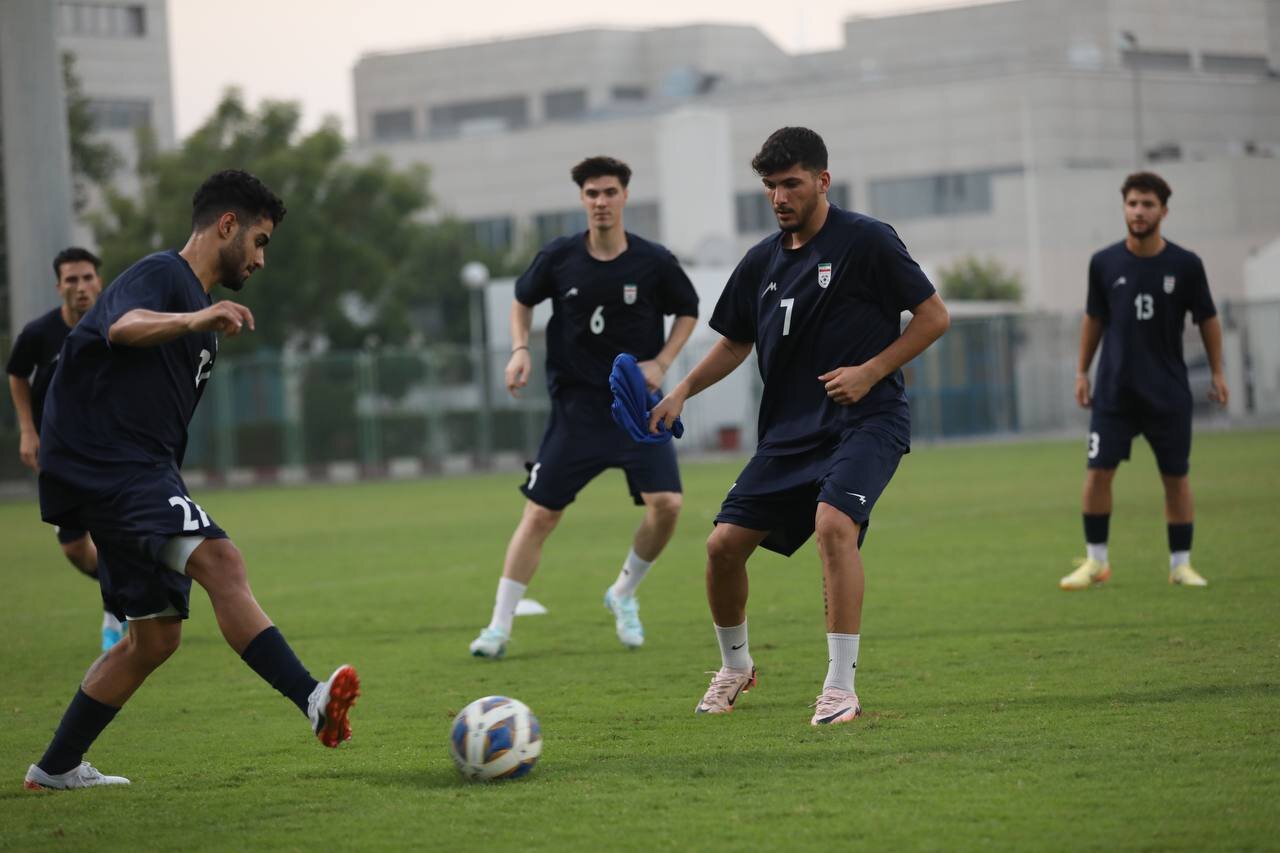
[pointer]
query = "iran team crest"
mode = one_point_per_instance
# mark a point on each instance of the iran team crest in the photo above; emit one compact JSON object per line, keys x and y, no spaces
{"x":629,"y":294}
{"x":1168,"y":284}
{"x":824,"y":275}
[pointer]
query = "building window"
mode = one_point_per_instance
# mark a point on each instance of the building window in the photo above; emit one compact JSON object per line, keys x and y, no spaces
{"x":120,"y":114}
{"x":643,"y":218}
{"x":841,"y":196}
{"x":628,"y":93}
{"x":1231,"y":63}
{"x":753,"y":212}
{"x":101,"y":20}
{"x":548,"y":226}
{"x":393,"y":124}
{"x":468,"y":118}
{"x":1157,"y":60}
{"x":566,"y":104}
{"x":493,"y":234}
{"x":947,"y":194}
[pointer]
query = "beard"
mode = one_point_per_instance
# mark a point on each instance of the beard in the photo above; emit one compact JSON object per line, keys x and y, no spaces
{"x":1141,"y":233}
{"x":231,"y":267}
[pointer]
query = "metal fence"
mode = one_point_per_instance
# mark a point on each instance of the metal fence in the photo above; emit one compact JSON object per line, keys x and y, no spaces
{"x":408,"y":412}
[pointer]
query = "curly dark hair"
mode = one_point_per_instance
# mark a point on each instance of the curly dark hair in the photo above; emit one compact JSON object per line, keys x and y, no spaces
{"x":1148,"y":182}
{"x":791,"y":146}
{"x":598,"y":167}
{"x":236,"y":192}
{"x":71,"y":255}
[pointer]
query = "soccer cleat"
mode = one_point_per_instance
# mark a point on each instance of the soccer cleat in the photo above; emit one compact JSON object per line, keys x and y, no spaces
{"x":329,"y":703}
{"x":1089,"y":573}
{"x":492,"y":643}
{"x":1184,"y":575}
{"x":84,"y":776}
{"x":726,"y":686}
{"x":626,"y":617}
{"x":835,"y":706}
{"x":113,"y":633}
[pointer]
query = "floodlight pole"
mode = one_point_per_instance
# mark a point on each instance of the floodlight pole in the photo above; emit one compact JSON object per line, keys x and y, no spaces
{"x":475,"y":277}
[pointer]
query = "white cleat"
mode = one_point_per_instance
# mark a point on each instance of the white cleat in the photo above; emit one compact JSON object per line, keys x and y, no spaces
{"x":492,"y":644}
{"x":835,"y":706}
{"x":726,"y":686}
{"x":626,"y":618}
{"x":84,"y":776}
{"x":1184,"y":575}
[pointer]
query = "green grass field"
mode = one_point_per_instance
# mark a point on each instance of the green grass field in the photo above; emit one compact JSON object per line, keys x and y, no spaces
{"x":1001,"y":713}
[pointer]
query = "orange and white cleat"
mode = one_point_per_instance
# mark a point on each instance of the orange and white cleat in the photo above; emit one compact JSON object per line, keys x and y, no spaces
{"x":726,"y":686}
{"x":329,"y":703}
{"x":1184,"y":575}
{"x":1089,"y":573}
{"x":83,"y":776}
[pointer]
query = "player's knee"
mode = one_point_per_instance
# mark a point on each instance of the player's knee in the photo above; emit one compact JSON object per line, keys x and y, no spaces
{"x":540,"y":520}
{"x":665,"y":506}
{"x":154,"y":645}
{"x":833,"y":528}
{"x":82,"y":555}
{"x":722,"y":551}
{"x":217,"y":565}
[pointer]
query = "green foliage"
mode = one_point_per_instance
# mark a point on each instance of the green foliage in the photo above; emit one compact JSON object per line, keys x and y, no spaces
{"x":972,"y":278}
{"x":93,"y":161}
{"x":353,"y":229}
{"x":1001,"y":713}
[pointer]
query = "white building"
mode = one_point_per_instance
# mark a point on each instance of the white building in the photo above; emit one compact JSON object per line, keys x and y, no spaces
{"x":1001,"y":130}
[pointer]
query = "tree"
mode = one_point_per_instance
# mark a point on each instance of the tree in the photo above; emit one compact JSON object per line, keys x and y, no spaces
{"x":93,"y":161}
{"x":971,"y":278}
{"x":354,"y":259}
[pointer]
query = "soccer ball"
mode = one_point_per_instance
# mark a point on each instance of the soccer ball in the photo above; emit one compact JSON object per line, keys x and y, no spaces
{"x":495,"y":738}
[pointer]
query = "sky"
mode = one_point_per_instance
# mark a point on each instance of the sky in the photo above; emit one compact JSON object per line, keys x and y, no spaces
{"x":304,"y":50}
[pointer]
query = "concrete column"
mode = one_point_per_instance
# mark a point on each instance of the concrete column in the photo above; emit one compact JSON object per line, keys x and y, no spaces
{"x":695,"y":185}
{"x":37,"y":159}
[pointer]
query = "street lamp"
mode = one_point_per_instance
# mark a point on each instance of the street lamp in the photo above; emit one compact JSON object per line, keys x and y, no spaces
{"x":475,"y":278}
{"x":1130,"y":41}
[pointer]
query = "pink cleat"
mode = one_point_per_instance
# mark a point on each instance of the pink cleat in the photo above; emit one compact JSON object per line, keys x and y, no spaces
{"x":835,"y":706}
{"x":726,"y":685}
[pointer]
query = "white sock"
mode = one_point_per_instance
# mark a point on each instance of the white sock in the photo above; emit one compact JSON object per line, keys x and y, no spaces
{"x":504,"y":606}
{"x":734,"y":651}
{"x":633,"y":571}
{"x":842,"y":661}
{"x":1097,"y":553}
{"x":110,"y":621}
{"x":1179,"y":558}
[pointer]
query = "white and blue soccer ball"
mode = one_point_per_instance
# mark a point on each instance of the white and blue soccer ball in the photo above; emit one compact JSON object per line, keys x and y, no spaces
{"x":495,"y":738}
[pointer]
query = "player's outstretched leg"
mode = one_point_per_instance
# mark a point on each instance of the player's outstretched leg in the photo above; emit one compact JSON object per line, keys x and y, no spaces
{"x":843,"y":583}
{"x":217,"y":565}
{"x":524,"y":552}
{"x":728,"y":548}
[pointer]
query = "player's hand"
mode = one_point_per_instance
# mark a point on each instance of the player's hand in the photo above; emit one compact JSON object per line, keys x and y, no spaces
{"x":518,"y":369}
{"x":848,"y":385}
{"x":227,"y":318}
{"x":653,"y":372}
{"x":1082,"y":391}
{"x":29,"y":449}
{"x":1218,"y":391}
{"x":667,"y":410}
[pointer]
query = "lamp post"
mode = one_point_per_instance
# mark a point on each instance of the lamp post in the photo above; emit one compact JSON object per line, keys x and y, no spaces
{"x":475,"y":278}
{"x":1131,"y":44}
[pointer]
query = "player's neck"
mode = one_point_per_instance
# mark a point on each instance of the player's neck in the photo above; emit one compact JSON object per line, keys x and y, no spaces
{"x":203,"y":264}
{"x":796,"y":239}
{"x":69,"y":315}
{"x":1145,"y":247}
{"x":606,"y":244}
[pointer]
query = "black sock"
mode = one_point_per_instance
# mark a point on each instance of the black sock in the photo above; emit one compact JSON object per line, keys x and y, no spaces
{"x":83,"y":721}
{"x":269,"y":655}
{"x":1180,"y":537}
{"x":1096,"y":528}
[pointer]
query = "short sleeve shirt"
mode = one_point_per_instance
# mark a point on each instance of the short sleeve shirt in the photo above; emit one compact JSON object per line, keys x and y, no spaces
{"x":834,"y":302}
{"x":35,"y":355}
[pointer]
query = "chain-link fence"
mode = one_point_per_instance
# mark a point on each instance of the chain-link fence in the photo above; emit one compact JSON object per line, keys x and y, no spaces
{"x":407,"y":412}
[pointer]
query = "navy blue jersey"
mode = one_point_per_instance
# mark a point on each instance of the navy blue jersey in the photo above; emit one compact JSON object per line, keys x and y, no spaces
{"x":834,"y":302}
{"x":602,"y":308}
{"x":1143,"y":303}
{"x":35,"y":355}
{"x":113,"y":407}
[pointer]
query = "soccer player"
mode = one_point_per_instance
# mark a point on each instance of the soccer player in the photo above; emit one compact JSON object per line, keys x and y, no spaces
{"x":821,"y":302}
{"x":30,"y":368}
{"x":115,"y":431}
{"x":1140,"y":291}
{"x":609,"y":292}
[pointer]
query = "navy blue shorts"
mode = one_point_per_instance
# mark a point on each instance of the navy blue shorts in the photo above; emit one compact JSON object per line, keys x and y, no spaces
{"x":1111,"y":433}
{"x":131,"y":525}
{"x":581,"y":441}
{"x":67,"y":535}
{"x":780,"y":494}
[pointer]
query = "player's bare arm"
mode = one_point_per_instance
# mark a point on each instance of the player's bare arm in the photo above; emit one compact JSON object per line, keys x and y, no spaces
{"x":1211,"y":334}
{"x":520,"y":365}
{"x":143,"y":328}
{"x":28,"y":430}
{"x":1091,"y":330}
{"x":929,"y":321}
{"x":723,"y":358}
{"x":656,"y":368}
